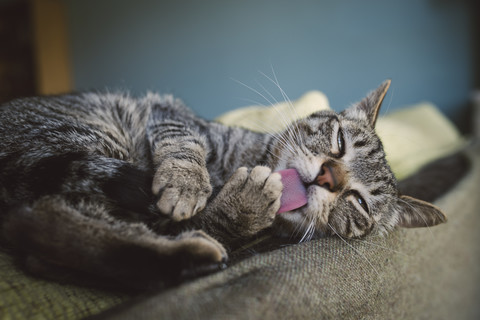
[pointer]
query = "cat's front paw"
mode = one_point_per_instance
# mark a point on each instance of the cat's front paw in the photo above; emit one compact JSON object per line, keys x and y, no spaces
{"x":252,"y":198}
{"x":182,"y":188}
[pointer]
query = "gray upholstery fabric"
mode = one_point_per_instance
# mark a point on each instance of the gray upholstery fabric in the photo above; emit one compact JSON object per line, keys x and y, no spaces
{"x":410,"y":274}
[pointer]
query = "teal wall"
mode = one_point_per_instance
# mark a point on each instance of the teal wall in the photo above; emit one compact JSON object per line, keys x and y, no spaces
{"x":344,"y":48}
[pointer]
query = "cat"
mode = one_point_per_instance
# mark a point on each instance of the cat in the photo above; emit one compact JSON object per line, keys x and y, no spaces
{"x":138,"y":191}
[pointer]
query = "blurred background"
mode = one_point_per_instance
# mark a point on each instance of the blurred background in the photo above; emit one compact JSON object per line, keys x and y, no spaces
{"x":208,"y":52}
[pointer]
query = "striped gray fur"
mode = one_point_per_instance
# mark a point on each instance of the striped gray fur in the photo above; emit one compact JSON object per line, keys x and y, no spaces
{"x":140,"y":191}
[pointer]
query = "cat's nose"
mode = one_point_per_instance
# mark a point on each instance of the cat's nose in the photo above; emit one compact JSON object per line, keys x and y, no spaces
{"x":328,"y":178}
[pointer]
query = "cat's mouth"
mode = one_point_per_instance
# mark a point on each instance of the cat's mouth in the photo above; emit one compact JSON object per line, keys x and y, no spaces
{"x":294,"y":193}
{"x":295,"y":189}
{"x":318,"y":188}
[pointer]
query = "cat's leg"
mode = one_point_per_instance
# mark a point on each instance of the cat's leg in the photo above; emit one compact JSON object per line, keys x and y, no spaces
{"x":83,"y":237}
{"x":246,"y":205}
{"x":181,"y":181}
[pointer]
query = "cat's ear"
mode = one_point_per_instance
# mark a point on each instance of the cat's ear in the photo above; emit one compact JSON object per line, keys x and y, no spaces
{"x":369,"y":107}
{"x":414,"y":213}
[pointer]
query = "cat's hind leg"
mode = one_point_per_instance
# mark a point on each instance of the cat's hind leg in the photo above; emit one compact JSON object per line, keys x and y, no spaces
{"x":83,"y":237}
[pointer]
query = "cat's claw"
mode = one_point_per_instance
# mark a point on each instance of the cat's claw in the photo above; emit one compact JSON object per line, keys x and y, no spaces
{"x":182,"y":189}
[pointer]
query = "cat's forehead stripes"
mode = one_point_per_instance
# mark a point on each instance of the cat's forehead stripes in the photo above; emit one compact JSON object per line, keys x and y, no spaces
{"x":360,"y":143}
{"x":322,"y":115}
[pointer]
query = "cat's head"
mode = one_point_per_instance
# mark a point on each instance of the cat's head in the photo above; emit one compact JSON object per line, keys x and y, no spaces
{"x":350,"y":187}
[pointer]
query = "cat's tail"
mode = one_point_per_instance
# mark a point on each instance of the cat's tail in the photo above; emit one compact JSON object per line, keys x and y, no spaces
{"x":436,"y":178}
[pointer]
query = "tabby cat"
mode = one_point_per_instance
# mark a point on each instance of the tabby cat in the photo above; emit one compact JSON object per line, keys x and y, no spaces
{"x":140,"y":190}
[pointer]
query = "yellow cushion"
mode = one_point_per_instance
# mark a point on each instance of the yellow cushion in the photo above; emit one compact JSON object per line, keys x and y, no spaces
{"x":412,"y":137}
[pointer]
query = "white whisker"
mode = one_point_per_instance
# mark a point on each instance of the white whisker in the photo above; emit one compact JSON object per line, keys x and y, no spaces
{"x":300,"y":227}
{"x":289,"y":140}
{"x":307,"y":231}
{"x":285,"y":122}
{"x":288,"y":119}
{"x":286,"y":98}
{"x":278,"y":137}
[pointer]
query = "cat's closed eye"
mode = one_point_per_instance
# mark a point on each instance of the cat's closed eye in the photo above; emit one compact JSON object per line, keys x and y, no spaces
{"x":340,"y":143}
{"x":337,"y":141}
{"x":359,"y":200}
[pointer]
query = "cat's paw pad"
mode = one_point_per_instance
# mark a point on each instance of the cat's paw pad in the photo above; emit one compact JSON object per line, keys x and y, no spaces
{"x":182,"y":188}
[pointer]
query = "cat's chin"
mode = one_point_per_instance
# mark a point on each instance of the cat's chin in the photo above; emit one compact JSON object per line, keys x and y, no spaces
{"x":296,"y":222}
{"x":311,"y":218}
{"x":294,"y":225}
{"x":292,"y":216}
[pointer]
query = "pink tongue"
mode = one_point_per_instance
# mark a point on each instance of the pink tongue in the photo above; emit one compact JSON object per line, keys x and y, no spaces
{"x":294,"y":194}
